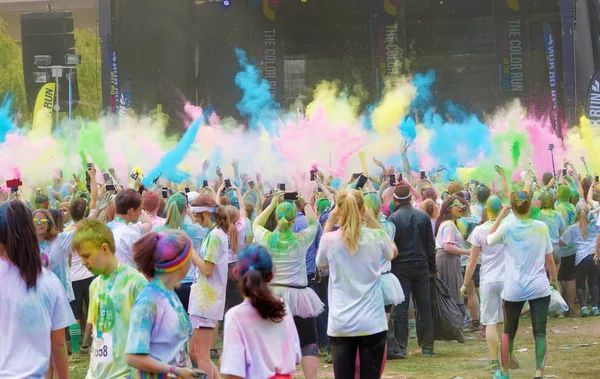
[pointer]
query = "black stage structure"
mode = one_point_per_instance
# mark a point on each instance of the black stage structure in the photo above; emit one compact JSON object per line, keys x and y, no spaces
{"x":485,"y":52}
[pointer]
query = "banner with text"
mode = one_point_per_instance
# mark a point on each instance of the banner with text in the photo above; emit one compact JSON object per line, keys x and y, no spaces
{"x":511,"y":45}
{"x":592,"y":101}
{"x":387,"y":47}
{"x":44,"y":107}
{"x":551,"y":58}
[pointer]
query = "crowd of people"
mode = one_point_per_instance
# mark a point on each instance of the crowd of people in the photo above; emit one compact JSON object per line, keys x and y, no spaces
{"x":143,"y":279}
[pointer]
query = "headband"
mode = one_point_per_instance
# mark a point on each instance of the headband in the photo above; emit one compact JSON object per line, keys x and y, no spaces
{"x":401,"y":198}
{"x":175,"y":263}
{"x":203,"y":209}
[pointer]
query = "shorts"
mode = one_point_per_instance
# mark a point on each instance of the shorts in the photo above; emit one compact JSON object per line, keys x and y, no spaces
{"x":475,"y":274}
{"x":567,"y":269}
{"x":307,"y":330}
{"x":199,"y":322}
{"x":81,"y":289}
{"x":491,"y":303}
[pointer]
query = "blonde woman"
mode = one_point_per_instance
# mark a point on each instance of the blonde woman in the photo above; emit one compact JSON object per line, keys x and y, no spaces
{"x":353,"y":253}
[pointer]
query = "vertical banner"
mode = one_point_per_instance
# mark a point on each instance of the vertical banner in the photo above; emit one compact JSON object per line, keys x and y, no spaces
{"x":551,"y":58}
{"x":125,"y":98}
{"x":511,"y":45}
{"x":592,"y":100}
{"x":268,"y":47}
{"x":386,"y":44}
{"x":114,"y":78}
{"x":44,"y":107}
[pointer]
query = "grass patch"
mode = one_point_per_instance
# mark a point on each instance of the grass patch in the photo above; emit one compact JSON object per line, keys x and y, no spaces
{"x":463,"y":360}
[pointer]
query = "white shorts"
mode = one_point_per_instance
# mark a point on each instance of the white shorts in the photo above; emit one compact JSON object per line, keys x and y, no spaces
{"x":199,"y":322}
{"x":491,"y":303}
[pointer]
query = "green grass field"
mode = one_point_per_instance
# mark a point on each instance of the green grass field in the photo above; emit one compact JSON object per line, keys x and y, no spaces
{"x":566,"y":359}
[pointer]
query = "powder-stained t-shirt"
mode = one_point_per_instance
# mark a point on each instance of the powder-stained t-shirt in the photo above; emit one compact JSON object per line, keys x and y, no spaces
{"x":254,"y":347}
{"x":492,"y":257}
{"x":27,"y":317}
{"x":55,"y":256}
{"x":582,"y":247}
{"x":196,"y":234}
{"x":356,"y":305}
{"x":288,"y":250}
{"x":555,"y":223}
{"x":527,"y":242}
{"x":567,"y":211}
{"x":207,"y":295}
{"x":159,"y":327}
{"x":127,"y":283}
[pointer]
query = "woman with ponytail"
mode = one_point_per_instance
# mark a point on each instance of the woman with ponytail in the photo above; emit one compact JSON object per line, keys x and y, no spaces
{"x":357,"y":321}
{"x":260,"y":338}
{"x":290,"y":283}
{"x":240,"y":234}
{"x":176,"y":210}
{"x":527,"y":256}
{"x":207,"y":295}
{"x":159,"y":327}
{"x":581,"y":237}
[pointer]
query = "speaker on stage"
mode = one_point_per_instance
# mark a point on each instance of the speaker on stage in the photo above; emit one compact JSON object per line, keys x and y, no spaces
{"x":49,"y":33}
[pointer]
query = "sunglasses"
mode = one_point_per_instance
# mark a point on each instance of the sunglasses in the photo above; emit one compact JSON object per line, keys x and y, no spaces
{"x":40,"y":221}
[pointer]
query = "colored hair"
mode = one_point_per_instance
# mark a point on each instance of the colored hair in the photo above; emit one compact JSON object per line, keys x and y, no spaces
{"x":58,"y":219}
{"x":350,"y":204}
{"x":127,"y":199}
{"x":95,"y":233}
{"x":52,"y":231}
{"x":583,"y":219}
{"x":520,"y":203}
{"x":322,"y":205}
{"x":77,"y":209}
{"x":17,"y":234}
{"x":372,"y":201}
{"x":431,"y":208}
{"x":175,"y":208}
{"x":493,"y":206}
{"x":546,"y":200}
{"x":445,"y":213}
{"x":285,"y":214}
{"x":234,"y":217}
{"x":151,"y":201}
{"x":161,"y":249}
{"x":563,"y":193}
{"x":255,"y":269}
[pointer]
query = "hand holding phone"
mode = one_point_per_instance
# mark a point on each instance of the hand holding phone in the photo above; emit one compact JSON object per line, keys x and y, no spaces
{"x":227,"y":183}
{"x":187,"y":189}
{"x":281,"y":186}
{"x":110,"y":187}
{"x":290,"y":196}
{"x":90,"y":166}
{"x":362,"y":180}
{"x":313,"y":175}
{"x":165,"y":193}
{"x":204,"y":183}
{"x":423,"y":175}
{"x":392,"y":180}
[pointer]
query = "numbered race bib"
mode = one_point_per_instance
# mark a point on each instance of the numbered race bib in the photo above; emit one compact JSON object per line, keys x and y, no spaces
{"x":103,"y":348}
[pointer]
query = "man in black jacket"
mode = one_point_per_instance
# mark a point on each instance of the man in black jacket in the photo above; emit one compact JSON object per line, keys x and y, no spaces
{"x":413,"y":267}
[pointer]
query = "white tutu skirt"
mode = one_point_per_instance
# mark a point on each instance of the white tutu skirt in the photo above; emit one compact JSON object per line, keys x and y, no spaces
{"x":302,"y":302}
{"x":392,"y":290}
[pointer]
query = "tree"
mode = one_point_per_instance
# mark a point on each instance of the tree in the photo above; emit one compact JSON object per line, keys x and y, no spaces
{"x":89,"y":74}
{"x":11,"y":69}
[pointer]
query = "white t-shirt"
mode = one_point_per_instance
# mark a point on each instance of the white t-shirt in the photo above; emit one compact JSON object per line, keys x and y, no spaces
{"x":56,"y":255}
{"x":582,"y":246}
{"x":207,"y":295}
{"x":355,"y":299}
{"x":27,"y":317}
{"x":78,"y":270}
{"x":492,"y":257}
{"x":257,"y":348}
{"x":244,"y":229}
{"x":125,"y":236}
{"x":527,"y":242}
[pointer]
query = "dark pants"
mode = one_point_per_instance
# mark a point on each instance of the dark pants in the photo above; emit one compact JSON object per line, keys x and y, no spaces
{"x":539,"y":319}
{"x":183,"y":293}
{"x":370,"y":348}
{"x":321,"y":291}
{"x":414,"y":278}
{"x":587,"y":270}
